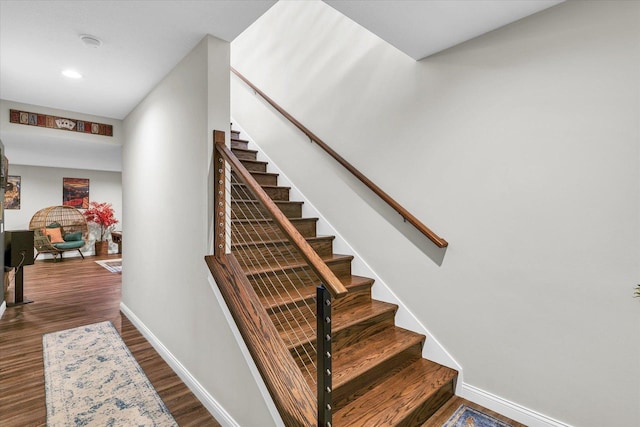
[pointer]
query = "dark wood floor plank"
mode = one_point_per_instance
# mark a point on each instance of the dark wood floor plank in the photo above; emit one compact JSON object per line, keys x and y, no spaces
{"x":69,"y":294}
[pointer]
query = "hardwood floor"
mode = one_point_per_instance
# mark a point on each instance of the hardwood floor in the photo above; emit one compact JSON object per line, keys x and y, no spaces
{"x":68,"y":294}
{"x":72,"y":293}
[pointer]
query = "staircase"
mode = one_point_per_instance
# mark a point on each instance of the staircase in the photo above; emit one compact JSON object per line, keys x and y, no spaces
{"x":379,"y":375}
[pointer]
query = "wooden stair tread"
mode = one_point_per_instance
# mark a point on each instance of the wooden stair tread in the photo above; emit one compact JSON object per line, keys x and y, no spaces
{"x":251,"y":229}
{"x":244,"y":153}
{"x":263,"y":185}
{"x":279,"y":241}
{"x":390,"y":403}
{"x":251,"y":208}
{"x":247,"y":150}
{"x":255,"y":162}
{"x":356,"y":359}
{"x":270,"y":227}
{"x":238,"y":139}
{"x":269,"y":220}
{"x":256,"y":173}
{"x":274,"y":191}
{"x":296,"y":264}
{"x":359,"y":358}
{"x":260,"y":177}
{"x":278,"y":202}
{"x":352,"y":283}
{"x":341,"y":319}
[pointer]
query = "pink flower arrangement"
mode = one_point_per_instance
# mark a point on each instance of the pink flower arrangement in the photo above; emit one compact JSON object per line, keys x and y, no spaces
{"x":102,"y":215}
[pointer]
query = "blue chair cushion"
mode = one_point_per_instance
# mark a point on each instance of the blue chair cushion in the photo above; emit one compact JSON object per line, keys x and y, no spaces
{"x":73,"y":237}
{"x":69,"y":245}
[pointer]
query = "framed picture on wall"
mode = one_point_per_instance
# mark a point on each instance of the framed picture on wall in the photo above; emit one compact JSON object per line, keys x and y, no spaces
{"x":75,"y":192}
{"x":12,"y":192}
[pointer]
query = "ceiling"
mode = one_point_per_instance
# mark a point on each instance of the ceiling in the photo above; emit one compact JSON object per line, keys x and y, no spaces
{"x":142,"y":40}
{"x":421,"y":28}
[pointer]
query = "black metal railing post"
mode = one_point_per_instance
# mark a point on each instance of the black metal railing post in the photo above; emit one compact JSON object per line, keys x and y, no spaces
{"x":323,"y":302}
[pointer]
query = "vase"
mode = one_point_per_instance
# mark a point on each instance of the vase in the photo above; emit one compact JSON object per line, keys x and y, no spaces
{"x":102,"y":248}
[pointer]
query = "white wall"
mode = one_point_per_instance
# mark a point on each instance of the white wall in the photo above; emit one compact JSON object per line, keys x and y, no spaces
{"x":38,"y":146}
{"x":521,"y":148}
{"x":41,"y":187}
{"x":166,"y":160}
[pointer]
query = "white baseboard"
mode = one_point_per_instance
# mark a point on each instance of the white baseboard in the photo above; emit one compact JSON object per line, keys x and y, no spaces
{"x":3,"y":307}
{"x":200,"y":392}
{"x":507,"y":408}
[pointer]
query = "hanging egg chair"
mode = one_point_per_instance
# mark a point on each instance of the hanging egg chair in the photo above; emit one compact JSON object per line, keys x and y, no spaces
{"x":58,"y":229}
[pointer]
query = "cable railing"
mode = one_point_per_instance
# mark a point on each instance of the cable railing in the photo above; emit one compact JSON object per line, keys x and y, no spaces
{"x":332,"y":283}
{"x":284,"y":274}
{"x":266,"y":250}
{"x":404,"y":213}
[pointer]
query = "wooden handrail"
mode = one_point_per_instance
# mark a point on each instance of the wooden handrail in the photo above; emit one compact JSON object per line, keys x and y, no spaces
{"x":408,"y":216}
{"x":293,"y":397}
{"x":328,"y":278}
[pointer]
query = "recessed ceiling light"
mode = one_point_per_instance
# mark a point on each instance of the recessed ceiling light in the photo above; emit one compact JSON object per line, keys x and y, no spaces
{"x":90,"y":41}
{"x":72,"y":74}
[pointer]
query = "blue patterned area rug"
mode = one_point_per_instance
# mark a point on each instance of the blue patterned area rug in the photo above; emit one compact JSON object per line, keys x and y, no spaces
{"x":92,"y":379}
{"x":466,"y":416}
{"x":113,"y":265}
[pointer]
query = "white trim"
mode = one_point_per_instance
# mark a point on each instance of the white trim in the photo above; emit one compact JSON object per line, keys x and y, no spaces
{"x":200,"y":392}
{"x":507,"y":408}
{"x":3,"y":307}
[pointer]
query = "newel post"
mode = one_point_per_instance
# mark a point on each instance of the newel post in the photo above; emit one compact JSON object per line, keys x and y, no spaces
{"x":323,"y":340}
{"x":220,"y":197}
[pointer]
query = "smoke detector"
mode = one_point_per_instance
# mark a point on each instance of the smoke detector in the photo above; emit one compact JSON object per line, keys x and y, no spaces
{"x":91,"y":41}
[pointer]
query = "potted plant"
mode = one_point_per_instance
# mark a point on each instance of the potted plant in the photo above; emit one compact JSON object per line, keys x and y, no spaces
{"x":103,"y":216}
